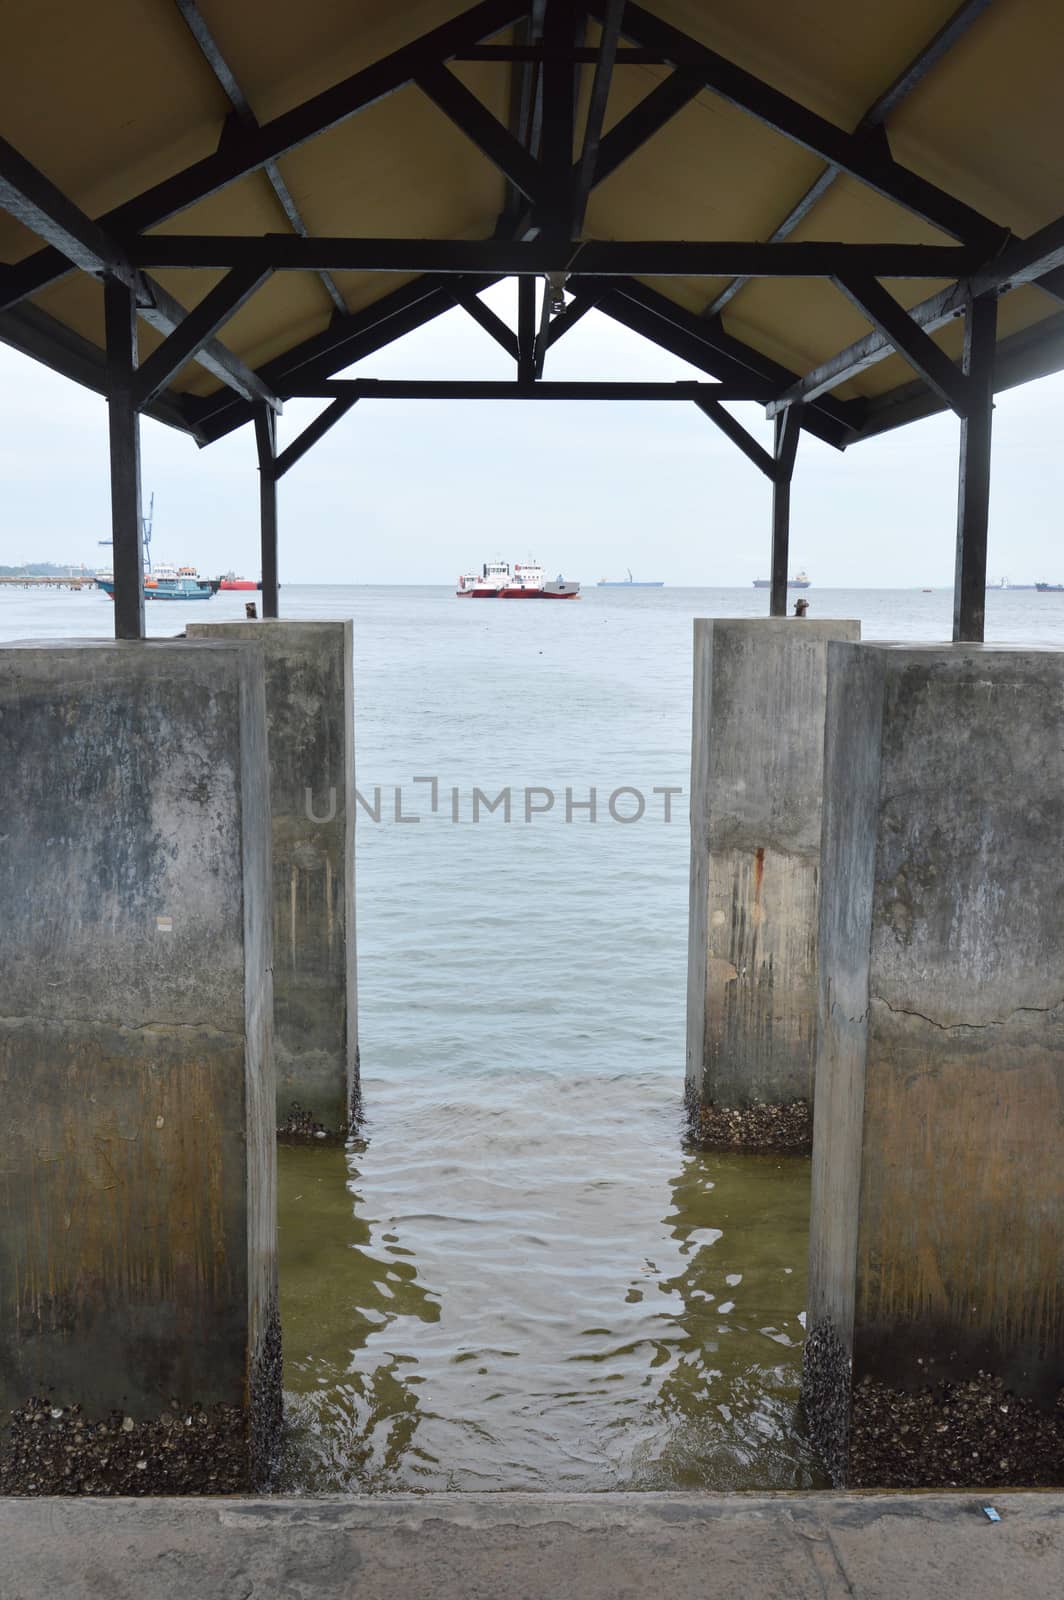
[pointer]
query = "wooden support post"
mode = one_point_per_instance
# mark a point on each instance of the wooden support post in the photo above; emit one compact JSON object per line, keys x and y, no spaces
{"x":127,"y":529}
{"x":266,"y":441}
{"x":973,"y":490}
{"x":786,"y":445}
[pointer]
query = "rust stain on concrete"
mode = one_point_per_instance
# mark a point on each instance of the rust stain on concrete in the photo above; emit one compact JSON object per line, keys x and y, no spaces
{"x":962,"y":1214}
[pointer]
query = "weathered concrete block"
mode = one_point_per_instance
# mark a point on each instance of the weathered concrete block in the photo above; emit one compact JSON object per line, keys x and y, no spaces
{"x":756,"y":787}
{"x":137,"y":1156}
{"x":936,"y":1296}
{"x":310,"y":712}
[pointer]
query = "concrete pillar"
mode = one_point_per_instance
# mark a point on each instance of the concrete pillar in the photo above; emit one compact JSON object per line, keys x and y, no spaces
{"x":936,"y":1295}
{"x":310,"y":713}
{"x":137,"y":1158}
{"x":756,"y":781}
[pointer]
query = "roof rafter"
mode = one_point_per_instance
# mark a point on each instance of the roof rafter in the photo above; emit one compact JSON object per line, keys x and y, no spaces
{"x":249,"y":150}
{"x":876,"y":115}
{"x":345,"y":341}
{"x":195,"y":330}
{"x":707,"y":346}
{"x":211,"y":52}
{"x":655,"y":109}
{"x":42,"y":206}
{"x":908,"y":338}
{"x":1022,"y":261}
{"x":596,"y":113}
{"x":867,"y":161}
{"x":486,"y":131}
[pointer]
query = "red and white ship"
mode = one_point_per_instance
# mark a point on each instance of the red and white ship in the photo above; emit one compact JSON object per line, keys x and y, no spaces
{"x":496,"y":580}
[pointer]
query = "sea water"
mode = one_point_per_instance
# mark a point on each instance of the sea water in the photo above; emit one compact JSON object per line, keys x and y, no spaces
{"x":519,"y":1275}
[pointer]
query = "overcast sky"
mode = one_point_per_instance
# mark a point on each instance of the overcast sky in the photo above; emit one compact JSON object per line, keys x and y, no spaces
{"x":418,"y":492}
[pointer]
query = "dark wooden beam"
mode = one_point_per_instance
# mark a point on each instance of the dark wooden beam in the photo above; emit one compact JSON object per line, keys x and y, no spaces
{"x":908,"y":339}
{"x":579,"y":55}
{"x":351,"y":389}
{"x":522,"y":91}
{"x":561,"y":21}
{"x":539,"y":349}
{"x":711,"y":407}
{"x":312,"y":433}
{"x":1028,"y":260}
{"x":536,"y":257}
{"x":863,"y":159}
{"x":250,"y":151}
{"x":526,"y":330}
{"x":973,"y":492}
{"x":42,"y":338}
{"x":489,"y":135}
{"x":644,"y":120}
{"x":785,"y":447}
{"x":1035,"y":259}
{"x":346,"y":341}
{"x":596,"y":113}
{"x":158,"y":307}
{"x":123,"y":427}
{"x":39,"y":205}
{"x":211,"y":52}
{"x":266,"y":445}
{"x":910,"y":78}
{"x":197,"y":328}
{"x":472,"y":304}
{"x":1032,"y":352}
{"x":706,"y":347}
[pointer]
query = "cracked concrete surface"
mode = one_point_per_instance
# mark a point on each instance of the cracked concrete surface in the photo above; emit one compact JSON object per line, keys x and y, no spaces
{"x":530,"y":1547}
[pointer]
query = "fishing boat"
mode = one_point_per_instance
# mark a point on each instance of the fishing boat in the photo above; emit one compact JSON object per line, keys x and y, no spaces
{"x":168,"y":583}
{"x":1049,"y":588}
{"x":630,"y":582}
{"x":799,"y":581}
{"x":497,"y":580}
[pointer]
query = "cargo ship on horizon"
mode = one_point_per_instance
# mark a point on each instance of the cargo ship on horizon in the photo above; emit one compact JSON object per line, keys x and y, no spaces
{"x":630,"y":582}
{"x":799,"y":581}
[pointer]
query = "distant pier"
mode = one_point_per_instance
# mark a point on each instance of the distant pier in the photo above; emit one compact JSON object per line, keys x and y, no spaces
{"x":26,"y":581}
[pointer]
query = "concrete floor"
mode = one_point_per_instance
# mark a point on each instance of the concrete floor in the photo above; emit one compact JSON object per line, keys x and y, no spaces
{"x":530,"y":1547}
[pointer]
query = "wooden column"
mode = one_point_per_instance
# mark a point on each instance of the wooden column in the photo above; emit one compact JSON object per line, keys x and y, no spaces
{"x":127,"y":529}
{"x":266,"y":440}
{"x":973,"y":490}
{"x":788,"y":425}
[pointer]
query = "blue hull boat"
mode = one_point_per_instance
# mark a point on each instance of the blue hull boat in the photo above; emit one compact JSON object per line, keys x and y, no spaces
{"x":168,"y":588}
